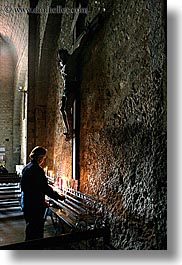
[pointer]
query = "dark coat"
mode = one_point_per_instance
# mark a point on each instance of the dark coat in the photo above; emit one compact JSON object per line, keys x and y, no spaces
{"x":34,"y":187}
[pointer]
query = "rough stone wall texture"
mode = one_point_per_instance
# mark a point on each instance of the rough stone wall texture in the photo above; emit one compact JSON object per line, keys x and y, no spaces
{"x":66,"y":38}
{"x":60,"y":152}
{"x":123,"y":124}
{"x":122,"y":117}
{"x":60,"y":158}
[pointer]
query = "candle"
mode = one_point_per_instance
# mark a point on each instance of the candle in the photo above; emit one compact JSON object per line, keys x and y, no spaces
{"x":63,"y":183}
{"x":57,"y":181}
{"x":50,"y":173}
{"x":76,"y":184}
{"x":60,"y":183}
{"x":45,"y":170}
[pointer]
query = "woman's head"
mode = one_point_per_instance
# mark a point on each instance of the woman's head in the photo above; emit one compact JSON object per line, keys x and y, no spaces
{"x":38,"y":154}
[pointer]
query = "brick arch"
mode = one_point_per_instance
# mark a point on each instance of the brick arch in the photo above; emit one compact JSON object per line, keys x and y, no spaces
{"x":7,"y":44}
{"x":13,"y":25}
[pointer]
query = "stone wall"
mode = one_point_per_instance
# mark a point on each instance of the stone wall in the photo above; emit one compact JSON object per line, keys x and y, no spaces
{"x":45,"y":125}
{"x":122,"y":138}
{"x":14,"y":32}
{"x":7,"y":66}
{"x":123,"y":124}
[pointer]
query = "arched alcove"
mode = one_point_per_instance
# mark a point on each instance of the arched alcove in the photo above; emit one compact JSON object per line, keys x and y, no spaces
{"x":7,"y":80}
{"x":13,"y":81}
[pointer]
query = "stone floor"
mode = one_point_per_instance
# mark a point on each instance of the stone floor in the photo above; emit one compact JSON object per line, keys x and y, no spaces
{"x":12,"y":230}
{"x":12,"y":227}
{"x":12,"y":224}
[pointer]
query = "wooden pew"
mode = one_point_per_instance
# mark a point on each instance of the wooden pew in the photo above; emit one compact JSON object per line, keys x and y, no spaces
{"x":10,"y":194}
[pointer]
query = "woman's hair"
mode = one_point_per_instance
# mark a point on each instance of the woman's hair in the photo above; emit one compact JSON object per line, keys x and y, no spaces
{"x":37,"y":153}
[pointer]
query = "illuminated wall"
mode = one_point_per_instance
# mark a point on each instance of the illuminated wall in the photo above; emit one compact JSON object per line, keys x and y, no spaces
{"x":122,"y":137}
{"x":13,"y":65}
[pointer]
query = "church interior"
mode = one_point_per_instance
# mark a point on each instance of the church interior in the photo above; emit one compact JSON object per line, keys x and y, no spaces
{"x":113,"y":166}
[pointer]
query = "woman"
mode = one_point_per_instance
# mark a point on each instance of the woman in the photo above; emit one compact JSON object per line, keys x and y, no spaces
{"x":34,"y":187}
